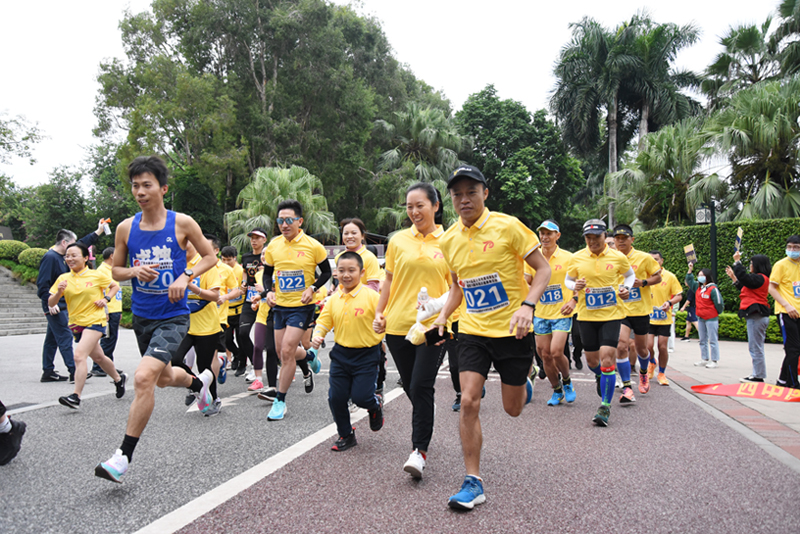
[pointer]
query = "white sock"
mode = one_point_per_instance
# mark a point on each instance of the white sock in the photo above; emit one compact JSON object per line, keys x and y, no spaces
{"x":5,"y":425}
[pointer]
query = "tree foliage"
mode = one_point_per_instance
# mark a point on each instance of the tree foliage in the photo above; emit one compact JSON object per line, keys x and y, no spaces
{"x":17,"y":138}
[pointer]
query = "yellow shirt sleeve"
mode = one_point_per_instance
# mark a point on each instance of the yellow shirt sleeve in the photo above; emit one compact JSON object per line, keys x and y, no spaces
{"x":389,"y":266}
{"x":324,"y":321}
{"x":373,"y":270}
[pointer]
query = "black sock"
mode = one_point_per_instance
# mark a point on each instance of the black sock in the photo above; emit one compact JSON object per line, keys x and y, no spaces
{"x":559,"y":389}
{"x":213,"y":387}
{"x":281,"y":397}
{"x":197,"y":384}
{"x":303,"y":365}
{"x":566,"y":381}
{"x":128,"y":444}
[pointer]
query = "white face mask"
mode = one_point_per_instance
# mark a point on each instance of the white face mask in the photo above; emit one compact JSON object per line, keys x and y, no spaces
{"x":701,"y":279}
{"x":793,"y":254}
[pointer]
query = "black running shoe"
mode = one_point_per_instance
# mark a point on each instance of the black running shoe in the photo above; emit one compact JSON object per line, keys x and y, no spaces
{"x":52,"y":376}
{"x":190,"y":398}
{"x":542,"y":373}
{"x":11,"y":442}
{"x":240,"y":371}
{"x":342,"y":444}
{"x":308,"y":382}
{"x":376,"y":418}
{"x":578,"y":363}
{"x":121,"y":385}
{"x":70,"y":401}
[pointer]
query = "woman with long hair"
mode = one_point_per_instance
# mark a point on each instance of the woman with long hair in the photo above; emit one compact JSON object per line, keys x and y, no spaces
{"x":413,"y":261}
{"x":87,"y":293}
{"x":708,"y":301}
{"x":753,"y":286}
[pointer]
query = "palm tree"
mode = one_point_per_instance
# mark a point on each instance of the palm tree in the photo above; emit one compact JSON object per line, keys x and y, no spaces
{"x":426,"y":138}
{"x":590,"y":73}
{"x":785,"y":39}
{"x":748,"y":58}
{"x":260,"y":198}
{"x":659,"y":183}
{"x":759,"y":131}
{"x":396,"y":216}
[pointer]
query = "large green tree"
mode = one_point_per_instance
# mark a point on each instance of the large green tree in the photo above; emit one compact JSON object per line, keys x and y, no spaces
{"x":786,"y":39}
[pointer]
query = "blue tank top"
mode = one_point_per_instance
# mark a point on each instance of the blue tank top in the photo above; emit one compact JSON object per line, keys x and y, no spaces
{"x":161,"y":251}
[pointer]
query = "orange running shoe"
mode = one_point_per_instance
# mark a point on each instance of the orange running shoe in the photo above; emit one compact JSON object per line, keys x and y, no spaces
{"x":627,"y":396}
{"x":644,"y":383}
{"x":662,"y":379}
{"x":651,"y":370}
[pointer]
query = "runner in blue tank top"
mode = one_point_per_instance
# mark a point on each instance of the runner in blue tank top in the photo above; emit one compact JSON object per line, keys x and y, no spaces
{"x":154,"y":242}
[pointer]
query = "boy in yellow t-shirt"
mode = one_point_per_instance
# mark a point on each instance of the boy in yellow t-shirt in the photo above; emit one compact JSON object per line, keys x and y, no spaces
{"x":356,"y":353}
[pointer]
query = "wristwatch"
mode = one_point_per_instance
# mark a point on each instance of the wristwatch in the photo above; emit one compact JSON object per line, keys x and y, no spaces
{"x":188,"y":272}
{"x":644,"y":282}
{"x":528,"y":303}
{"x":575,"y":298}
{"x":107,"y":297}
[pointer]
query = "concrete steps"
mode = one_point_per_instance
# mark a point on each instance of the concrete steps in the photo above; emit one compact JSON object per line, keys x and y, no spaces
{"x":20,"y":308}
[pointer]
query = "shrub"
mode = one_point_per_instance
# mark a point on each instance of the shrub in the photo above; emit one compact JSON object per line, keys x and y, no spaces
{"x":126,"y":321}
{"x":732,"y":327}
{"x":10,"y":249}
{"x":126,"y":297}
{"x":32,"y":257}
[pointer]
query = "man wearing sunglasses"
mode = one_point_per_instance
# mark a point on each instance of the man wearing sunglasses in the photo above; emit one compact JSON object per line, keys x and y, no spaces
{"x":293,"y":258}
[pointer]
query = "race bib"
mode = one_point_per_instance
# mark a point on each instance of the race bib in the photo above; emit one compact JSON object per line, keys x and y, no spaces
{"x":598,"y":298}
{"x":251,"y":293}
{"x":658,"y":314}
{"x":119,"y":295}
{"x":796,"y":289}
{"x":160,"y":285}
{"x":635,"y":294}
{"x":484,"y":293}
{"x":552,"y":295}
{"x":291,"y":281}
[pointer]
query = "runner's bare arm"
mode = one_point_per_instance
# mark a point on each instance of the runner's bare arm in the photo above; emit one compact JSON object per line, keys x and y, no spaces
{"x":773,"y":291}
{"x":379,"y":324}
{"x":119,"y":271}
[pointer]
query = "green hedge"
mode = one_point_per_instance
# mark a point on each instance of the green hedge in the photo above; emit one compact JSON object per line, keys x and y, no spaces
{"x":32,"y":257}
{"x":760,"y":237}
{"x":126,"y":297}
{"x":731,"y":327}
{"x":21,"y":272}
{"x":10,"y":249}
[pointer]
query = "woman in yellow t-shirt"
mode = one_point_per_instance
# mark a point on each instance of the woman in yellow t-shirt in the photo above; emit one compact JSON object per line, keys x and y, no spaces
{"x":87,"y":293}
{"x":413,"y":261}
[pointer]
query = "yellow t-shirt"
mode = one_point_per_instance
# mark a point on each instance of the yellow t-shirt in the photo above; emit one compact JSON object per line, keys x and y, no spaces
{"x":372,"y":271}
{"x":115,"y":306}
{"x":263,"y":307}
{"x":414,"y":262}
{"x":644,"y":266}
{"x":235,"y":305}
{"x":295,"y":264}
{"x":488,"y":259}
{"x":661,"y":293}
{"x":350,"y":317}
{"x":602,"y":272}
{"x":83,"y":290}
{"x":556,"y":294}
{"x":228,"y":283}
{"x":786,"y":276}
{"x":206,"y":321}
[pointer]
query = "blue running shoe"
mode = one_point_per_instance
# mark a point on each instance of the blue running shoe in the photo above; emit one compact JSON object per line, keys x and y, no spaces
{"x":569,"y":393}
{"x":278,"y":411}
{"x":315,"y":365}
{"x":529,"y":388}
{"x":471,"y":494}
{"x":204,"y":399}
{"x":556,"y":399}
{"x":223,"y":373}
{"x":483,"y":392}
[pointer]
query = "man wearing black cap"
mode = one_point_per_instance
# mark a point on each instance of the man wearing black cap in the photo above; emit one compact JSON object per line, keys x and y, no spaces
{"x":486,"y":252}
{"x":637,"y":314}
{"x":594,"y":273}
{"x":251,"y":263}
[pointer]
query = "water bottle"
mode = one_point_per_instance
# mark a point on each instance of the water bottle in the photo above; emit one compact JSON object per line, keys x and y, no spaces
{"x":423,"y":298}
{"x":106,"y":227}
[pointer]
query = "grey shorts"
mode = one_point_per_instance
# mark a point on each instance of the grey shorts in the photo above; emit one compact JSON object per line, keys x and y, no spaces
{"x":160,"y":338}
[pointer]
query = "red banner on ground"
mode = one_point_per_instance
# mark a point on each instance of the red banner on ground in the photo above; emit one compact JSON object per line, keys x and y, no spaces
{"x":751,"y":390}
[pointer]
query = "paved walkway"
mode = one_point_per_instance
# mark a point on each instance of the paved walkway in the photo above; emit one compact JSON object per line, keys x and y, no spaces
{"x":672,"y":462}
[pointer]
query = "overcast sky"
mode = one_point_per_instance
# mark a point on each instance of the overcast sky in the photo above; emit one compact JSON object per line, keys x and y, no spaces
{"x":51,"y":51}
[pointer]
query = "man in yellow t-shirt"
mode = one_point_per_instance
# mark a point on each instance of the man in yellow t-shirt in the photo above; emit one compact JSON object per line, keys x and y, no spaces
{"x":356,"y":353}
{"x":665,"y":295}
{"x":594,"y":272}
{"x":637,"y":314}
{"x":784,"y":287}
{"x":552,"y":320}
{"x":228,"y":257}
{"x":293,"y":257}
{"x":204,"y":327}
{"x":109,"y":343}
{"x":230,"y":288}
{"x":485,"y":252}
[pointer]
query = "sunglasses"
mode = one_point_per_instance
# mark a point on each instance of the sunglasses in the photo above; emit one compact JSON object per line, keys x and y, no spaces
{"x":286,"y":220}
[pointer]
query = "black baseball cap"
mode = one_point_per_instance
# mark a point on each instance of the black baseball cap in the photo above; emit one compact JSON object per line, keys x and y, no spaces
{"x":622,"y":229}
{"x":260,"y":232}
{"x":465,"y":171}
{"x":594,"y":226}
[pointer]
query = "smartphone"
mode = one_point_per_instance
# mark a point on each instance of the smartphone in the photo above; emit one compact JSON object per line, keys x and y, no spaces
{"x":432,"y":336}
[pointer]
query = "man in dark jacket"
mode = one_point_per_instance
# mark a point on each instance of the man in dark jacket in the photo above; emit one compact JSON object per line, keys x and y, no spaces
{"x":58,"y":333}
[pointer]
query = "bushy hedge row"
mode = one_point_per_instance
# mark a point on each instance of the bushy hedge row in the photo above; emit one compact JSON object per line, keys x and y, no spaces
{"x":760,"y":237}
{"x":732,"y":327}
{"x":21,"y":272}
{"x":31,"y":257}
{"x":127,"y":291}
{"x":10,"y":249}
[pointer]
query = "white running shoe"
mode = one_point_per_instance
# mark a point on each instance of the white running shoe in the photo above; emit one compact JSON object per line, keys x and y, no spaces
{"x":113,"y":468}
{"x":701,"y":363}
{"x":415,"y":464}
{"x":250,"y":376}
{"x":712,"y":365}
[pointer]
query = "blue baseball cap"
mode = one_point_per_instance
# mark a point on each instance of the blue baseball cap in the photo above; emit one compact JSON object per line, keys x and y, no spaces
{"x":549,"y":225}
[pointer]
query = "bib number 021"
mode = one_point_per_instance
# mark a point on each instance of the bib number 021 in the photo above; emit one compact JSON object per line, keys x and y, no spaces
{"x":484,"y":293}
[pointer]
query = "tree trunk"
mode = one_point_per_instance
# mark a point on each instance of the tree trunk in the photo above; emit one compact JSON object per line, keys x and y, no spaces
{"x":643,"y":124}
{"x":612,"y":155}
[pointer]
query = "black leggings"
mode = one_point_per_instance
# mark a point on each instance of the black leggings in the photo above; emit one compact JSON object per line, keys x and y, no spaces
{"x":451,"y":346}
{"x":246,"y":321}
{"x":418,"y":366}
{"x":264,"y":338}
{"x":205,"y":348}
{"x":231,"y":332}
